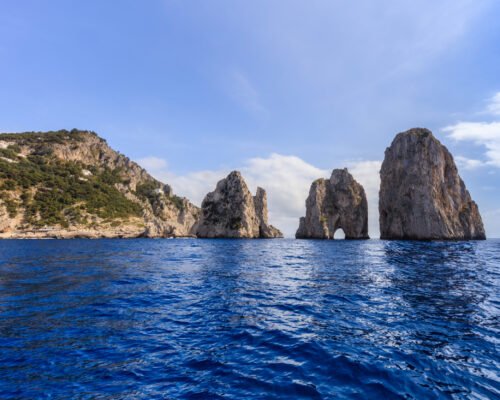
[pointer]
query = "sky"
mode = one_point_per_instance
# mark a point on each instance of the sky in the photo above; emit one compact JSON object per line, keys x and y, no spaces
{"x":284,"y":91}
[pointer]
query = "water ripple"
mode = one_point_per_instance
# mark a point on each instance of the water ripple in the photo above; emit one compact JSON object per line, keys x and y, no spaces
{"x":233,"y":319}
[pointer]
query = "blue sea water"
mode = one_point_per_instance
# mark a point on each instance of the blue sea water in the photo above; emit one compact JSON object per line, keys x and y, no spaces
{"x":243,"y":319}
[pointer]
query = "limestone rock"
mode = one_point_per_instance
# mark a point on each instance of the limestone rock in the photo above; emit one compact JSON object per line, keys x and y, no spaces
{"x":422,"y":197}
{"x":260,"y":202}
{"x":5,"y":220}
{"x":339,"y":202}
{"x":171,"y":220}
{"x":154,"y":210}
{"x":164,"y":214}
{"x":232,"y":212}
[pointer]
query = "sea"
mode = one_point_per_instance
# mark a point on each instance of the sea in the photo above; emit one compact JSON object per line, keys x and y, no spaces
{"x":249,"y":319}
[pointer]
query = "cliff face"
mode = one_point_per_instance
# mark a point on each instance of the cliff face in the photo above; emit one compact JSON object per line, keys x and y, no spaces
{"x":422,"y":197}
{"x":72,"y":184}
{"x":230,"y":211}
{"x":339,"y":202}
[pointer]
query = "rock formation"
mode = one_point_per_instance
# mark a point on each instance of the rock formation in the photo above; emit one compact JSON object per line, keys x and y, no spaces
{"x":232,"y":212}
{"x":339,"y":202}
{"x":422,"y":197}
{"x":72,"y":184}
{"x":260,"y":203}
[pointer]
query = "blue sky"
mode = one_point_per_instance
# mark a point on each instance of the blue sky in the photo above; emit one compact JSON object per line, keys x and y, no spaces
{"x":282,"y":90}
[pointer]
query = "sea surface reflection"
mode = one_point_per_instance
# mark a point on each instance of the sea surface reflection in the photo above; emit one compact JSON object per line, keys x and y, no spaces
{"x":234,"y":319}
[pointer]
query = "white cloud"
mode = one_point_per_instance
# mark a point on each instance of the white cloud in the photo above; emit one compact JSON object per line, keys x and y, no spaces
{"x":468,"y":163}
{"x":485,"y":134}
{"x":193,"y":185}
{"x":286,"y":179}
{"x":153,"y":163}
{"x":494,"y":105}
{"x":367,"y":173}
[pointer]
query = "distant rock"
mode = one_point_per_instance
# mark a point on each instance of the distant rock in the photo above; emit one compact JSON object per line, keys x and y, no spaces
{"x":422,"y":197}
{"x":339,"y":202}
{"x":232,"y":212}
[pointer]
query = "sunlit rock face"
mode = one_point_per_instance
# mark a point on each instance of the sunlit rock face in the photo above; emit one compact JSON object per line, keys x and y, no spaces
{"x":260,"y":204}
{"x":335,"y":203}
{"x":104,"y":193}
{"x":230,"y":211}
{"x":422,"y":197}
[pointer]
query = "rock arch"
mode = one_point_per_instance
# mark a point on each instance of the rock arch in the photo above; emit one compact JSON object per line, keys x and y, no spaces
{"x":336,"y":203}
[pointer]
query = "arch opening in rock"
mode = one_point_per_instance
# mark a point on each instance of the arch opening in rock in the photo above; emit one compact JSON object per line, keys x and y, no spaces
{"x":338,"y":202}
{"x":339,"y":234}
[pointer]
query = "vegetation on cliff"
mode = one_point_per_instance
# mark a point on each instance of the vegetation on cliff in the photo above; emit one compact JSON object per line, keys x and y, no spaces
{"x":73,"y":179}
{"x":54,"y":192}
{"x":151,"y":191}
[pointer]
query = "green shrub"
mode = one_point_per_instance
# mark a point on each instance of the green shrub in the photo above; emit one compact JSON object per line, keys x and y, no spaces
{"x":62,"y":194}
{"x":177,"y":201}
{"x":35,"y":138}
{"x":14,"y":147}
{"x":147,"y":191}
{"x":8,"y":185}
{"x":11,"y":206}
{"x":8,"y":153}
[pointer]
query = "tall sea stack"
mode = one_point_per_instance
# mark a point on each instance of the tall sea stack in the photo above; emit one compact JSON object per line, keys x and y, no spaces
{"x":335,"y":203}
{"x":422,"y":197}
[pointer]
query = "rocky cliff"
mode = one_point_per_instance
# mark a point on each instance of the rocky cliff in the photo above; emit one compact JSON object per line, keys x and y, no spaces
{"x":339,"y":202}
{"x":422,"y":197}
{"x":72,"y":184}
{"x":230,"y":211}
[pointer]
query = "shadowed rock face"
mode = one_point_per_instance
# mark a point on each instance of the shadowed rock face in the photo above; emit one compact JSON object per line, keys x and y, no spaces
{"x":232,"y":212}
{"x":339,"y":202}
{"x":422,"y":197}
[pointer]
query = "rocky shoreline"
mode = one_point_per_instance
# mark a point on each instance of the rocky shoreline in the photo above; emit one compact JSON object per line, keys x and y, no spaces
{"x":71,"y":184}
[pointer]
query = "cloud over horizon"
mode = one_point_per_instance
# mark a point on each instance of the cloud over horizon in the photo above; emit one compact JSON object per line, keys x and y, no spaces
{"x":285,"y":178}
{"x":485,"y":134}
